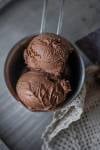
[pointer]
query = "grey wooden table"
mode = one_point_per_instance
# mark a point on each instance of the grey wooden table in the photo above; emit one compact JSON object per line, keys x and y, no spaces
{"x":19,"y":128}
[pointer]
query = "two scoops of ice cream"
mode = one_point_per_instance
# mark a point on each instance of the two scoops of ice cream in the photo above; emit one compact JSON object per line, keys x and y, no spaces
{"x":46,"y":83}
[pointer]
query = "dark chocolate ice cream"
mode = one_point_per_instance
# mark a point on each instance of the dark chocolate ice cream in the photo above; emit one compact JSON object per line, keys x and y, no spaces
{"x":46,"y":83}
{"x":40,"y":91}
{"x":48,"y":52}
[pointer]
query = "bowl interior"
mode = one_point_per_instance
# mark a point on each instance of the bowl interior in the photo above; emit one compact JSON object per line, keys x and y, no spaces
{"x":15,"y":64}
{"x":77,"y":73}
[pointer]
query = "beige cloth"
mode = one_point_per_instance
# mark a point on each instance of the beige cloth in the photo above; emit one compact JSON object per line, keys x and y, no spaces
{"x":83,"y":134}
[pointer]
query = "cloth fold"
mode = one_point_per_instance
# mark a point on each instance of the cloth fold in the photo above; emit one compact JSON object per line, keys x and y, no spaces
{"x":63,"y":118}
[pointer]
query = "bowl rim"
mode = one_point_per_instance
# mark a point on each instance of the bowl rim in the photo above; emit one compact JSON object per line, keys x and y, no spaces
{"x":69,"y":100}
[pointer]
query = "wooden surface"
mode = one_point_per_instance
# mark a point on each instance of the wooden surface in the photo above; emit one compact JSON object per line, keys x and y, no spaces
{"x":19,"y":128}
{"x":3,"y":146}
{"x":4,"y":3}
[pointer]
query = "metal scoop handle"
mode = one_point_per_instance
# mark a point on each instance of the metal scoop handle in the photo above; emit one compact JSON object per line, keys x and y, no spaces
{"x":44,"y":15}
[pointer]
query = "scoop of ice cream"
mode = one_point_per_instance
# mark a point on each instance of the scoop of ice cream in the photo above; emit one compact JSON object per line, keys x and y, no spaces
{"x":41,"y":92}
{"x":48,"y":52}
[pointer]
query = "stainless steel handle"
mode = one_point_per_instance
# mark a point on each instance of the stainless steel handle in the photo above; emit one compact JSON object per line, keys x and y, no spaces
{"x":44,"y":15}
{"x":61,"y":16}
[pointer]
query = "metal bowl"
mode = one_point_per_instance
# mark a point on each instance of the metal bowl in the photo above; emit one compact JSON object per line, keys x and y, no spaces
{"x":14,"y":66}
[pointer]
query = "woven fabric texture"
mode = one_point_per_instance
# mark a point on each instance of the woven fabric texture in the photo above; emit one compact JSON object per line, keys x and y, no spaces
{"x":83,"y":134}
